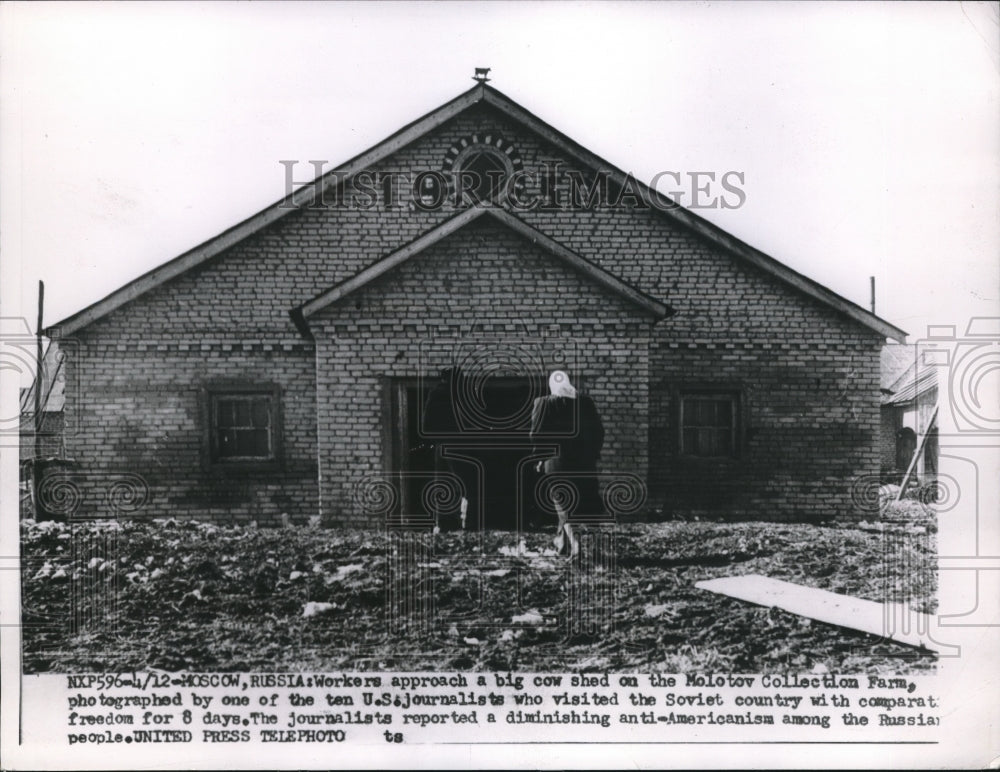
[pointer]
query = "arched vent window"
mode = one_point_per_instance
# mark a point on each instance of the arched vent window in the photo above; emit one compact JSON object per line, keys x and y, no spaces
{"x":481,"y":166}
{"x":483,"y":174}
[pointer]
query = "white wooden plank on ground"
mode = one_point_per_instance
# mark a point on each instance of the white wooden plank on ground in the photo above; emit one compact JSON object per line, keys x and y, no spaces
{"x":888,"y":620}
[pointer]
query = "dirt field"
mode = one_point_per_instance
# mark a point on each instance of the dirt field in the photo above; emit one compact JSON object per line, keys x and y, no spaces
{"x":192,"y":596}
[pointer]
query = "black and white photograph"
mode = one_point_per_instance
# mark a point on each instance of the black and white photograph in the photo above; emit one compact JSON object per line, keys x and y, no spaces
{"x":531,"y":384}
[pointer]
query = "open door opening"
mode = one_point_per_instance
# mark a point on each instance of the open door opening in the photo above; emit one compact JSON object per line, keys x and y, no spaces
{"x":487,"y":448}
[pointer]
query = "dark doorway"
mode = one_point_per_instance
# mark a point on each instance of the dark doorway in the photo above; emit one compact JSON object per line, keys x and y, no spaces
{"x":906,"y":444}
{"x":931,"y":452}
{"x":488,"y":448}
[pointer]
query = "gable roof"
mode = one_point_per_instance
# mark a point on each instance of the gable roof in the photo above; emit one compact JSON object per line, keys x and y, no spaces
{"x":478,"y":94}
{"x":894,"y":360}
{"x":453,"y":224}
{"x":911,"y":386}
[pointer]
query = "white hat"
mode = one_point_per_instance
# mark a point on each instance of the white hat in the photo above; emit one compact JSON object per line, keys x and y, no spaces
{"x":560,"y":386}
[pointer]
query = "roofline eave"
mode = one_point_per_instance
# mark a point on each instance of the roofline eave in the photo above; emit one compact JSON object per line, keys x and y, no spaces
{"x":693,"y":222}
{"x":235,"y":234}
{"x":307,"y":194}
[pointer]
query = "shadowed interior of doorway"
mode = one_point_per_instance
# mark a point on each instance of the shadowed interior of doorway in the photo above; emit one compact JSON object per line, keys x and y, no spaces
{"x":488,"y":450}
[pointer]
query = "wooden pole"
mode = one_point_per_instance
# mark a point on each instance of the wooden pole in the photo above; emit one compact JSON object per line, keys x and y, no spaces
{"x":39,"y":370}
{"x":916,"y":454}
{"x":39,"y":375}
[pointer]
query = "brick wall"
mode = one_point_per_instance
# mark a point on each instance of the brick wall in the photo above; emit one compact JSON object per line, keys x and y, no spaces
{"x":808,"y":429}
{"x":140,"y":414}
{"x":482,"y":297}
{"x":808,"y":376}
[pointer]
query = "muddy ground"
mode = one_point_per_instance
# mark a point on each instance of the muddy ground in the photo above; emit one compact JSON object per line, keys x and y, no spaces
{"x":182,"y":595}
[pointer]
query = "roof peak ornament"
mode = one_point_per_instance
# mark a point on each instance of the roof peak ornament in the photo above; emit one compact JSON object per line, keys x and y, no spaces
{"x":481,"y":73}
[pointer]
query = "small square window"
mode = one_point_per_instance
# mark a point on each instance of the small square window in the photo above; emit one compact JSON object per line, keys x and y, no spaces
{"x":243,"y":425}
{"x":709,"y":424}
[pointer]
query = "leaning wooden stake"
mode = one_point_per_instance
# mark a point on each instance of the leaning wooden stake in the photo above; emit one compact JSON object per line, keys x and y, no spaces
{"x":916,"y":454}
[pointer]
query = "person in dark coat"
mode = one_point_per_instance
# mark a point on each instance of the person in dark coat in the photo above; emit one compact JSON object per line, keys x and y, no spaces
{"x":569,"y":421}
{"x":441,"y":427}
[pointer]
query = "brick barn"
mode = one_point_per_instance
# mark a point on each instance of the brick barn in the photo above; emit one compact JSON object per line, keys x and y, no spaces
{"x":278,"y":371}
